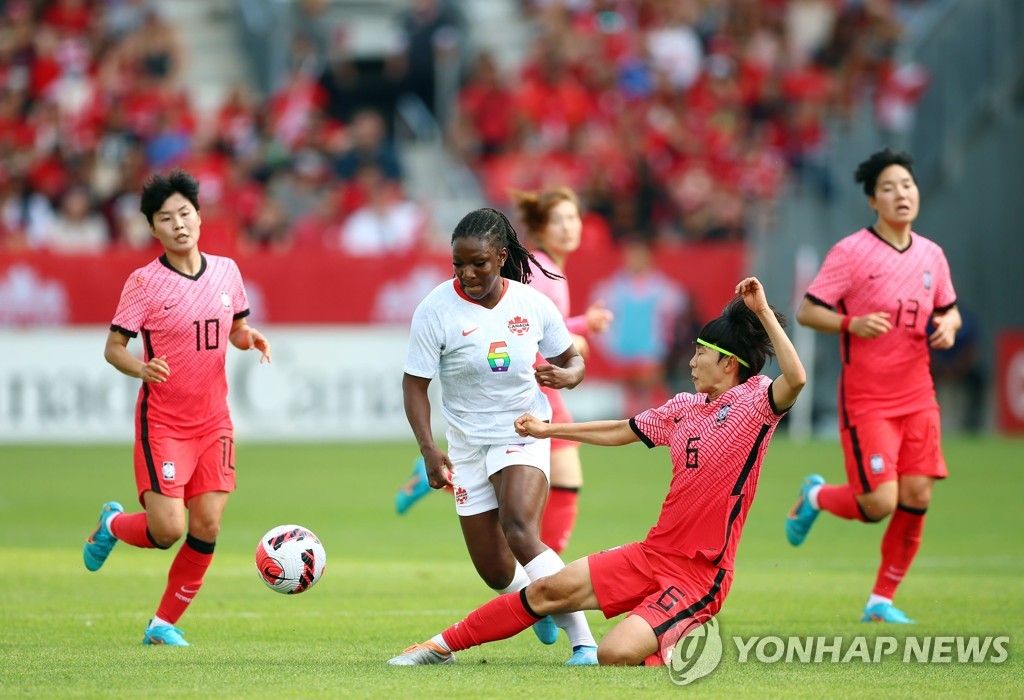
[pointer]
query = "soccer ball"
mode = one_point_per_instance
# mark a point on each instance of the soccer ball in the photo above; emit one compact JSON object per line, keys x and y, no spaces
{"x":290,"y":559}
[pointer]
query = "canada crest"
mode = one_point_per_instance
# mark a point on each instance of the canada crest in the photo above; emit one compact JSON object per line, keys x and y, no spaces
{"x":519,"y":325}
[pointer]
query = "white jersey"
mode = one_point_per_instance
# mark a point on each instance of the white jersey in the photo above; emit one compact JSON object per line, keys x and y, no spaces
{"x":485,"y":357}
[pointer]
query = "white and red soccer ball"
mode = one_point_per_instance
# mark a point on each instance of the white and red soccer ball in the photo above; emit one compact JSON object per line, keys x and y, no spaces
{"x":290,"y":559}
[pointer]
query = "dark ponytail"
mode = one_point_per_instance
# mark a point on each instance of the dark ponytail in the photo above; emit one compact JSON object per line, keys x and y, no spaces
{"x":740,"y":331}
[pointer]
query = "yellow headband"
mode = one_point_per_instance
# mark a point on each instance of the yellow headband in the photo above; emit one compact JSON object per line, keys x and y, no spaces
{"x":724,"y":352}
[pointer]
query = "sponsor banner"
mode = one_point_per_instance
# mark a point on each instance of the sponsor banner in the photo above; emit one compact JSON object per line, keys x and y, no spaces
{"x":325,"y":383}
{"x":1010,"y":381}
{"x":327,"y":287}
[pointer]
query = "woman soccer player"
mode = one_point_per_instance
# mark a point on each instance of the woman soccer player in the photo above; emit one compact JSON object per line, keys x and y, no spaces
{"x":679,"y":575}
{"x":878,"y":288}
{"x":188,"y":307}
{"x":480,"y":334}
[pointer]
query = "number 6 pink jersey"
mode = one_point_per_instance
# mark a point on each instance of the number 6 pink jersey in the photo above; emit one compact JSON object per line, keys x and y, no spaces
{"x":889,"y":375}
{"x":188,"y":320}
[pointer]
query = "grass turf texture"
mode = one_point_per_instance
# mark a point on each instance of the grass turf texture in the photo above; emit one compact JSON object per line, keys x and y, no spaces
{"x":393,"y":581}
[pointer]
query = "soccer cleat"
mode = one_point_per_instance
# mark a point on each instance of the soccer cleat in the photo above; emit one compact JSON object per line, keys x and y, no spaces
{"x":583,"y":656}
{"x":415,"y":488}
{"x":803,"y":515}
{"x":101,"y":541}
{"x":885,"y":612}
{"x":423,"y":655}
{"x":546,"y":630}
{"x":164,"y":634}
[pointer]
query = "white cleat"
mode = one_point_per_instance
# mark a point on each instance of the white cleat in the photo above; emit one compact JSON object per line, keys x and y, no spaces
{"x":422,"y":655}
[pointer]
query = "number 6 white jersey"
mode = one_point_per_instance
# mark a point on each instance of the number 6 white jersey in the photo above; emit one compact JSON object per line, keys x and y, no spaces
{"x":484,"y":357}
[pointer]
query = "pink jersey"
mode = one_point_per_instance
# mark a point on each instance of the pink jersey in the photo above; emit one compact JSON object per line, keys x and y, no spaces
{"x":717,"y":448}
{"x":188,"y":320}
{"x":557,"y":291}
{"x":889,"y":375}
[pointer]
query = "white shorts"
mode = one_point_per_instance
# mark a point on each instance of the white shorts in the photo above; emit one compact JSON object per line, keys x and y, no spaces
{"x":475,"y":464}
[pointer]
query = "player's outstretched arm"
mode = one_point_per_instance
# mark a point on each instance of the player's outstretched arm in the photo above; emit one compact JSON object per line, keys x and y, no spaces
{"x":116,"y":353}
{"x":786,"y":386}
{"x":244,"y":337}
{"x":597,"y":432}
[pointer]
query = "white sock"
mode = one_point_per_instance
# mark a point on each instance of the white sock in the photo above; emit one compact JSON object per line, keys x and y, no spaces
{"x":812,"y":496}
{"x":157,"y":622}
{"x":110,"y":519}
{"x":520,"y":581}
{"x":876,"y":599}
{"x":439,"y":641}
{"x":575,"y":624}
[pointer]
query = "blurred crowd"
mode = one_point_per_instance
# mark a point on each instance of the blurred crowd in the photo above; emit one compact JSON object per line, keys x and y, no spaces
{"x":677,"y":119}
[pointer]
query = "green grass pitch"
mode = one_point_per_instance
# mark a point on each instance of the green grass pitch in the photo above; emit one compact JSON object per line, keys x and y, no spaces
{"x":392,"y":581}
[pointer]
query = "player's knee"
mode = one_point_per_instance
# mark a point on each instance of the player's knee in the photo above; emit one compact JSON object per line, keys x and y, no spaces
{"x":205,"y":530}
{"x":164,"y":535}
{"x":496,"y":575}
{"x":545,"y":598}
{"x":616,"y":655}
{"x":919,"y":499}
{"x":521,"y":538}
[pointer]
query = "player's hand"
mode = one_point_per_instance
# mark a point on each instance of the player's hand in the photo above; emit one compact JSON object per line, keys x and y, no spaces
{"x":555,"y":377}
{"x":156,"y":370}
{"x":598,"y":317}
{"x":752,"y":292}
{"x":945,"y":332}
{"x":439,"y":469}
{"x":257,"y":341}
{"x":528,"y":425}
{"x":870,"y":325}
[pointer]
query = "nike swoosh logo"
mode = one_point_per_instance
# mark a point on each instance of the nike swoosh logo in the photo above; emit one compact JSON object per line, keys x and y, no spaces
{"x":189,"y":590}
{"x":465,"y":333}
{"x":872,"y":277}
{"x":168,"y":306}
{"x":508,"y":452}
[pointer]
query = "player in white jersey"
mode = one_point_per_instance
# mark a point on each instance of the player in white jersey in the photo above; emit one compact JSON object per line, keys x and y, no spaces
{"x":480,"y":334}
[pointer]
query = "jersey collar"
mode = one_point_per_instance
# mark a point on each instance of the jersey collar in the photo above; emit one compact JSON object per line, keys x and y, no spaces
{"x":169,"y":266}
{"x":458,"y":290}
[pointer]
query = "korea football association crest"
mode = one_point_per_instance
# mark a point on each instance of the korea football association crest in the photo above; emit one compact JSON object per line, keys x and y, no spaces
{"x":927,"y":279}
{"x":722,"y":415}
{"x":877,"y":464}
{"x":225,"y":299}
{"x":168,"y":471}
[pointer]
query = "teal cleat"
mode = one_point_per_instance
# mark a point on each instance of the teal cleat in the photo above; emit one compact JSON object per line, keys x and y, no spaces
{"x":803,"y":515}
{"x":546,"y":630}
{"x":164,"y":634}
{"x":583,"y":656}
{"x":885,"y":612}
{"x":416,"y":488}
{"x":101,"y":541}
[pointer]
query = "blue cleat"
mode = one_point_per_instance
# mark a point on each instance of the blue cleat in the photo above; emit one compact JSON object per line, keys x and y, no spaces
{"x":164,"y":634}
{"x":885,"y":612}
{"x":101,"y":541}
{"x":803,"y":515}
{"x":546,"y":630}
{"x":583,"y":656}
{"x":416,"y":488}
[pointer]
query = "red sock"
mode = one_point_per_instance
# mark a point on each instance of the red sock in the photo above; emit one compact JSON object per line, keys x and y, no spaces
{"x":501,"y":618}
{"x":559,"y":517}
{"x":185,"y":578}
{"x":899,"y":545}
{"x":131,"y":529}
{"x":840,"y":500}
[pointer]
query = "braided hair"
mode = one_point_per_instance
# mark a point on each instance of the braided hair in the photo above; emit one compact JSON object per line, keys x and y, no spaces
{"x":494,"y":227}
{"x":740,"y":331}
